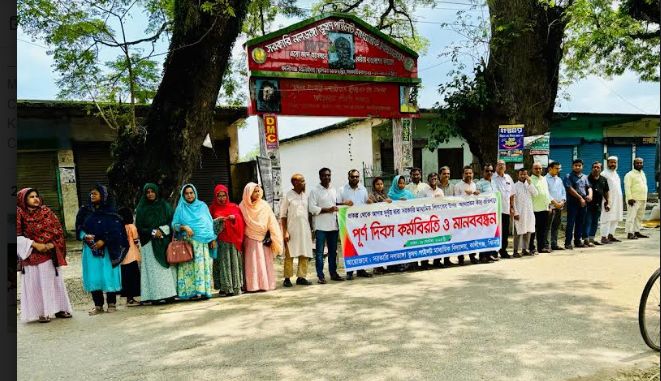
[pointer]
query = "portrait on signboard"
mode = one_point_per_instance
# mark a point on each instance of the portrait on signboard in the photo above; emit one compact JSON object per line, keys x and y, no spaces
{"x":408,"y":99}
{"x":340,"y":51}
{"x":268,"y":95}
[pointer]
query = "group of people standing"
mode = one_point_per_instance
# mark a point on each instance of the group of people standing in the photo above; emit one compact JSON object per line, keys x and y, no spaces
{"x":234,"y":245}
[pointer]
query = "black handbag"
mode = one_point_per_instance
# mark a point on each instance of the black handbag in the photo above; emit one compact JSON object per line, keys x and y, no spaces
{"x":267,"y":239}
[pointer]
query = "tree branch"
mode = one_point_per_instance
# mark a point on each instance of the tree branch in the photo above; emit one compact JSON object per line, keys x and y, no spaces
{"x":352,"y":6}
{"x":382,"y":19}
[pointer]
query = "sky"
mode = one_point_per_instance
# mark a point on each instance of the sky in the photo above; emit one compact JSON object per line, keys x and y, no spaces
{"x":622,"y":94}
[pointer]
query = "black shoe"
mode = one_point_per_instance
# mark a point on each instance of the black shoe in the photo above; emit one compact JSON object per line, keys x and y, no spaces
{"x":516,"y":255}
{"x":287,"y":283}
{"x":569,"y":247}
{"x":505,"y":255}
{"x":364,"y":274}
{"x":526,"y":253}
{"x":483,"y":260}
{"x":337,"y":278}
{"x":447,"y":262}
{"x":321,"y":281}
{"x":556,"y":248}
{"x":613,"y":239}
{"x":349,"y":276}
{"x":579,"y":244}
{"x":303,"y":282}
{"x":438,"y":263}
{"x":637,"y":234}
{"x":461,"y":261}
{"x":631,"y":236}
{"x":474,"y":260}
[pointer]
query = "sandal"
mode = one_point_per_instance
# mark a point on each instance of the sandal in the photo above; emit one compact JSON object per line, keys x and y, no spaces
{"x":112,"y":308}
{"x":95,"y":311}
{"x":63,"y":315}
{"x":44,"y":319}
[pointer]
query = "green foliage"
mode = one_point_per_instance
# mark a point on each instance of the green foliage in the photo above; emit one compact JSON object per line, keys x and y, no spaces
{"x":607,"y":37}
{"x":250,"y":155}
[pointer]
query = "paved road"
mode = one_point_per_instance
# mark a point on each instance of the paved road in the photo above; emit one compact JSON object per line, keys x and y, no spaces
{"x":549,"y":317}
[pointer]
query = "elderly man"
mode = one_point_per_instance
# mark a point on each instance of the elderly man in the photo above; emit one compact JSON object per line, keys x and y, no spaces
{"x":322,"y":204}
{"x":540,"y":206}
{"x":354,"y":193}
{"x":558,"y":200}
{"x":610,"y":218}
{"x":296,"y":231}
{"x":503,"y":184}
{"x":466,"y":187}
{"x":600,"y":193}
{"x":522,"y":212}
{"x":635,"y":192}
{"x":444,"y":181}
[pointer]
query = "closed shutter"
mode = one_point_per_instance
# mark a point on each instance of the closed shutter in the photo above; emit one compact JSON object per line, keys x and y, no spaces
{"x":387,"y":158}
{"x":589,"y":153}
{"x":624,"y":163}
{"x":92,"y":162}
{"x":564,"y":155}
{"x":38,"y":170}
{"x":648,"y":154}
{"x":213,"y":169}
{"x":453,"y":158}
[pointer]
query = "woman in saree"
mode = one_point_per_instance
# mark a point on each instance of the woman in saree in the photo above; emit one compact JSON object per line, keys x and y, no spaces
{"x":192,"y":218}
{"x":258,"y":255}
{"x":153,"y":216}
{"x":105,"y":245}
{"x":41,"y":249}
{"x":228,"y":266}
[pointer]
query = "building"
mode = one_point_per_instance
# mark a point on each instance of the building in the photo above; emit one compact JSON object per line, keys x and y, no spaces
{"x":366,"y":145}
{"x":64,"y":148}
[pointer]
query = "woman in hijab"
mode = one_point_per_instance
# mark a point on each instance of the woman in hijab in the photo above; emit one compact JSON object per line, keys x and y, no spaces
{"x":105,"y":245}
{"x":398,"y":189}
{"x":41,"y":249}
{"x":260,"y":222}
{"x":192,"y":217}
{"x":228,"y":266}
{"x":153,"y":216}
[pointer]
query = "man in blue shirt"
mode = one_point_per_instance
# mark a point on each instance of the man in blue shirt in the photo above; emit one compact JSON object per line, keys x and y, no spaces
{"x":579,"y":193}
{"x":558,"y":201}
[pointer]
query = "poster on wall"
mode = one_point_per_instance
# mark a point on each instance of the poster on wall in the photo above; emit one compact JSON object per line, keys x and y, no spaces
{"x":510,"y":143}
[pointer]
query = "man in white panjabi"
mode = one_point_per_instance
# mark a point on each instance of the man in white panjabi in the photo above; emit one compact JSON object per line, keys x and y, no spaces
{"x":296,"y":231}
{"x":610,"y":218}
{"x":523,"y":215}
{"x":635,"y":192}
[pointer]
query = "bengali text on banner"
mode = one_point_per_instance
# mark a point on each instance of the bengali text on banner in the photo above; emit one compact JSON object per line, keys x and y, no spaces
{"x":406,"y":231}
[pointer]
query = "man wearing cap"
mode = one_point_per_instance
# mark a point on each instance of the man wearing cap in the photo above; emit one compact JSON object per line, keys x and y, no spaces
{"x":635,"y":191}
{"x":611,"y":217}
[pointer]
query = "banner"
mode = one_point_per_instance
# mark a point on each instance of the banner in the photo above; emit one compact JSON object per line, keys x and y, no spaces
{"x":407,"y":231}
{"x":510,"y":143}
{"x":538,"y":144}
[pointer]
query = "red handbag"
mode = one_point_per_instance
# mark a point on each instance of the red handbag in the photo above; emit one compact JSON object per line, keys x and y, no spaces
{"x":179,"y":251}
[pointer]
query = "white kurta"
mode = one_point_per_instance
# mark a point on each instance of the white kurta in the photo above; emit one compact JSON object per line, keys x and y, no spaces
{"x":614,"y":197}
{"x":523,"y":194}
{"x":294,"y":207}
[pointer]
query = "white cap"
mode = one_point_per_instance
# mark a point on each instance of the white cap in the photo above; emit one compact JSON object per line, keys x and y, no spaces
{"x":612,"y":158}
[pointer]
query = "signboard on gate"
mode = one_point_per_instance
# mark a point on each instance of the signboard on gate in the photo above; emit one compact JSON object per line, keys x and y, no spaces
{"x":332,"y":65}
{"x":271,"y":131}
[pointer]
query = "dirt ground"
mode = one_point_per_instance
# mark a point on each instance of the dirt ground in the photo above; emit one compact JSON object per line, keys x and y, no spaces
{"x":570,"y":315}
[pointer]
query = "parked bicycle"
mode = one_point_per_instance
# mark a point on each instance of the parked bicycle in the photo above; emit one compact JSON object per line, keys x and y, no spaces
{"x":649,"y":312}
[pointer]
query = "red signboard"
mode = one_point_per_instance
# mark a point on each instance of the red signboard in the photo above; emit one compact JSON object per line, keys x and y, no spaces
{"x":331,"y":98}
{"x":332,"y":46}
{"x":332,"y":65}
{"x":271,"y":131}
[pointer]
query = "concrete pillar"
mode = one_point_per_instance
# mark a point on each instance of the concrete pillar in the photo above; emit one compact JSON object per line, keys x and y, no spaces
{"x":68,"y":189}
{"x":269,"y":147}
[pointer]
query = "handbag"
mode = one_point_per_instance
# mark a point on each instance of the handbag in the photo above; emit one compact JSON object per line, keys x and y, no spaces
{"x":267,"y":239}
{"x":179,"y":251}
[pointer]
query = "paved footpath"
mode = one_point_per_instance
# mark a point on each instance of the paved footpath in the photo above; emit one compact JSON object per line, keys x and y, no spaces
{"x":548,"y":317}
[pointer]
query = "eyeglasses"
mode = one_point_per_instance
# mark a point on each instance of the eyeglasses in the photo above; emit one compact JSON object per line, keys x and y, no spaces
{"x":488,"y":170}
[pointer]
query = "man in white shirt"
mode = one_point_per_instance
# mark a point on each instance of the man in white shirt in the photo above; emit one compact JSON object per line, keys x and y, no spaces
{"x":296,"y":231}
{"x":635,"y":191}
{"x":416,"y":186}
{"x":558,"y":200}
{"x":351,"y":194}
{"x":610,"y":218}
{"x":466,"y":187}
{"x":433,"y":191}
{"x":486,"y":186}
{"x":504,"y":184}
{"x":522,"y":213}
{"x":322,"y":204}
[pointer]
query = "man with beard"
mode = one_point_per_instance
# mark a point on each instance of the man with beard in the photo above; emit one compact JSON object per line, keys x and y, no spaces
{"x":635,"y":190}
{"x":466,"y":187}
{"x":610,"y":218}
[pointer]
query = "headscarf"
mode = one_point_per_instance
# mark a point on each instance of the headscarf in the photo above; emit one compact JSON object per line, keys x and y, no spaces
{"x":260,"y":219}
{"x":150,"y":215}
{"x":105,"y":224}
{"x":42,"y":226}
{"x":397,"y":194}
{"x":233,"y":230}
{"x":195,"y":215}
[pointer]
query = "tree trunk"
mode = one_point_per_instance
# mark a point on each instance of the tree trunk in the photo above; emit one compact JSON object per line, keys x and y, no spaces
{"x":181,"y":113}
{"x":521,"y":76}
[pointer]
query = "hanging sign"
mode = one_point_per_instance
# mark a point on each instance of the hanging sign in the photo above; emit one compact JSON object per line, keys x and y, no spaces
{"x":271,"y":131}
{"x":510,"y":143}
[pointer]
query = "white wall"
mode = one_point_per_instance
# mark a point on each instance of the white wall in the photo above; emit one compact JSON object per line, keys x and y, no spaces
{"x":340,"y":150}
